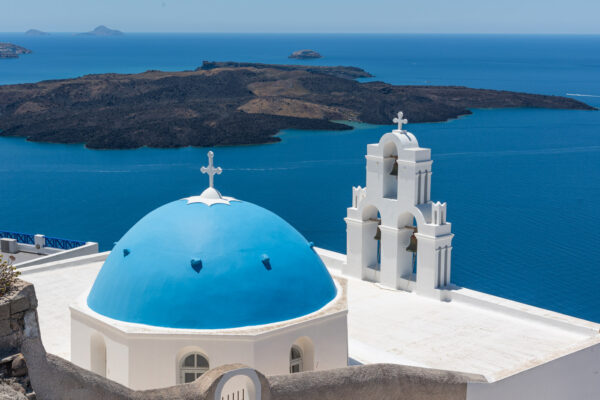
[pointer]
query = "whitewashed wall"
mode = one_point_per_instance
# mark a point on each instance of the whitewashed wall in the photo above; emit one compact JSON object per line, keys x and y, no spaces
{"x":147,"y":361}
{"x":575,"y":376}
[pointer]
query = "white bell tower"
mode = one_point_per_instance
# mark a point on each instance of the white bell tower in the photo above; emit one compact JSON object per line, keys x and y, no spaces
{"x":395,"y":234}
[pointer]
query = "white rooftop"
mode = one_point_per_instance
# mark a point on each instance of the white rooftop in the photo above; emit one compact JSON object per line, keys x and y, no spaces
{"x":404,"y":328}
{"x":57,"y":285}
{"x":475,"y":333}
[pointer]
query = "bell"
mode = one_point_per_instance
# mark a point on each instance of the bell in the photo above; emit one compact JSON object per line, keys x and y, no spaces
{"x":394,"y":171}
{"x":412,"y":246}
{"x":378,"y":234}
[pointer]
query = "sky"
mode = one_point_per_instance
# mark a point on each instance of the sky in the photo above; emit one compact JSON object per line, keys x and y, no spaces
{"x":305,"y":16}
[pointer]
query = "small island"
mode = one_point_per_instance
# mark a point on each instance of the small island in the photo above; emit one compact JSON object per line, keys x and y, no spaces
{"x":305,"y":54}
{"x":36,"y":32}
{"x":102,"y":31}
{"x":9,"y":50}
{"x":231,"y":103}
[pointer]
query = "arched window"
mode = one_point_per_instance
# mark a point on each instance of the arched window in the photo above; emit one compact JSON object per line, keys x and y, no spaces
{"x":192,"y":367}
{"x":295,"y":359}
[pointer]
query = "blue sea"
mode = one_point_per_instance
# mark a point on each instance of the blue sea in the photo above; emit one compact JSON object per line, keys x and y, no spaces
{"x":522,"y":185}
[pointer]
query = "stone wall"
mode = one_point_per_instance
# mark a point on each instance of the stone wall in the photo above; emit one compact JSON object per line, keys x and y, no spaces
{"x":54,"y":378}
{"x":12,"y":313}
{"x":374,"y":381}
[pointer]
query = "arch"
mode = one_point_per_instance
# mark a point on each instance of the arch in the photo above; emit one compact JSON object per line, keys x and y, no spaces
{"x":406,"y":217}
{"x":371,"y":242}
{"x":389,"y":180}
{"x":98,"y":354}
{"x":401,"y":140}
{"x":305,"y":346}
{"x":191,"y":366}
{"x":369,"y":212}
{"x":390,"y":149}
{"x":408,"y":225}
{"x":239,"y":384}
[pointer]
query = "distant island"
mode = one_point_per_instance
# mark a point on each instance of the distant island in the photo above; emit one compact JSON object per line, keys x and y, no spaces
{"x":36,"y":32}
{"x":230,"y":103}
{"x":102,"y":31}
{"x":9,"y":50}
{"x":305,"y":54}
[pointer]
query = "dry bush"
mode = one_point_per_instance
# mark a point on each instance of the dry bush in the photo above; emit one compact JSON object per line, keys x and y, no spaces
{"x":8,"y":275}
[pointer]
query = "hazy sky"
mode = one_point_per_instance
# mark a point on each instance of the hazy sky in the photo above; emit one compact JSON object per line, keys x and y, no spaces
{"x":389,"y":16}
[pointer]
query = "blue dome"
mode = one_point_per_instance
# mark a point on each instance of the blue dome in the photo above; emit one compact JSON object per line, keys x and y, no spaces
{"x":211,"y":267}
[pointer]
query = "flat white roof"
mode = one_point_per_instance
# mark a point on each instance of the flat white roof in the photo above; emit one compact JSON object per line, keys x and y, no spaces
{"x":477,"y":333}
{"x":57,"y":285}
{"x":400,"y":327}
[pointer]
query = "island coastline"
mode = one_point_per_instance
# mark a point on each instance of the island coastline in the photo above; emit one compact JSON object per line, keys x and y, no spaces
{"x":231,"y":103}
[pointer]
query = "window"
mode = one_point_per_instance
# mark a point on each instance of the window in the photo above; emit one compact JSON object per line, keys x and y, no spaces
{"x":295,"y":360}
{"x":192,"y":367}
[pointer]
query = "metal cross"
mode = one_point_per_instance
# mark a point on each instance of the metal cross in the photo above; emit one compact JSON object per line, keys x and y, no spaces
{"x":211,"y":170}
{"x":400,"y":121}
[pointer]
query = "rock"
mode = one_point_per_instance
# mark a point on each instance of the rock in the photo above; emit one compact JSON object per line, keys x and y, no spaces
{"x":9,"y":50}
{"x":36,"y":32}
{"x":18,"y":366}
{"x":102,"y":31}
{"x":7,"y":392}
{"x":305,"y":54}
{"x":5,"y":327}
{"x":4,"y":310}
{"x":9,"y":359}
{"x":19,"y":304}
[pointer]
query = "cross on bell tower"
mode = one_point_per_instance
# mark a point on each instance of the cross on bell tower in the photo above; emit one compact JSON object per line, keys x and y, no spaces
{"x":400,"y":120}
{"x":211,"y":171}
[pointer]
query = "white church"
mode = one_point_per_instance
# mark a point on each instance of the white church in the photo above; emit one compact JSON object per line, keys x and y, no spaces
{"x":210,"y":280}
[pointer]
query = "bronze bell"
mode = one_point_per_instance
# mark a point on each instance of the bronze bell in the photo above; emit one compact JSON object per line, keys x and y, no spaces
{"x":412,"y":246}
{"x":378,"y":234}
{"x":395,"y":167}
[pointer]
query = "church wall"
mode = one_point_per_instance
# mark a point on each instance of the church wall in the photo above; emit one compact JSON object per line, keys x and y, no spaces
{"x":574,"y":376}
{"x":329,"y":346}
{"x":117,"y":350}
{"x":141,"y":358}
{"x":155,"y":361}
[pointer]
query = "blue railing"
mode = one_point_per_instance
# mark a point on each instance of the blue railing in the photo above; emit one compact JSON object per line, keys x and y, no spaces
{"x":65,"y":244}
{"x":20,"y":237}
{"x":55,"y":243}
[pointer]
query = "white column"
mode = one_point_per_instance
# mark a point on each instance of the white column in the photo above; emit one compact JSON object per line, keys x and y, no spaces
{"x":448,"y":265}
{"x":433,"y":263}
{"x":389,"y":256}
{"x":439,"y":259}
{"x":427,"y":265}
{"x":428,"y":188}
{"x":419,"y":187}
{"x":361,"y":247}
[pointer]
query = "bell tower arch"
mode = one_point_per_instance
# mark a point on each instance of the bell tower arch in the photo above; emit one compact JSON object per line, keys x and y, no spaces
{"x":414,"y":236}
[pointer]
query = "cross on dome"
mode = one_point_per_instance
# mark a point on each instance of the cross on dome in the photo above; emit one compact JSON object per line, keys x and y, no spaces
{"x":210,"y":195}
{"x":211,"y":171}
{"x":400,"y":120}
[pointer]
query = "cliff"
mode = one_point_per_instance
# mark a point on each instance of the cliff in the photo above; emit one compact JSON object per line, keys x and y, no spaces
{"x":230,"y":104}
